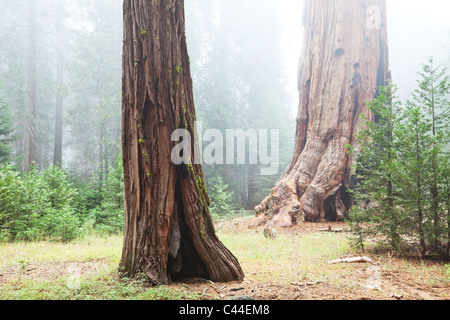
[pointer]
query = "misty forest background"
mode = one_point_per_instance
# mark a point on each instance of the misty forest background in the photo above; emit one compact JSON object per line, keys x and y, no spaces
{"x":241,"y":60}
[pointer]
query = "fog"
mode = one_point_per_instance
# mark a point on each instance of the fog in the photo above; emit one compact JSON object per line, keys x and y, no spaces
{"x":416,"y":31}
{"x":244,"y":60}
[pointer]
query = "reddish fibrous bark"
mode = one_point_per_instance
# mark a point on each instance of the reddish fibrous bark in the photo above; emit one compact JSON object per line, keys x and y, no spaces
{"x":344,"y":61}
{"x":169,"y":232}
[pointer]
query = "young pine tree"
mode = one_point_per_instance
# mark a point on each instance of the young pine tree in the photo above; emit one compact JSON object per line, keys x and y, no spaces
{"x":432,"y":96}
{"x":378,"y":175}
{"x":221,"y":198}
{"x":415,"y":164}
{"x":111,"y":217}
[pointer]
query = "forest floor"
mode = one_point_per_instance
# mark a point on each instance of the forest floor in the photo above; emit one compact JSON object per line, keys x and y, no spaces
{"x":293,"y":266}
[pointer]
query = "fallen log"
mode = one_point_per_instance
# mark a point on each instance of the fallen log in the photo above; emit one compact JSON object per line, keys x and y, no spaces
{"x":351,"y":260}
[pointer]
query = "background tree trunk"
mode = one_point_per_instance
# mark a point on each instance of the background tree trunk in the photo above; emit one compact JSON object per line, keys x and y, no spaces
{"x":59,"y":26}
{"x":169,"y":233}
{"x":344,"y":61}
{"x":30,"y":126}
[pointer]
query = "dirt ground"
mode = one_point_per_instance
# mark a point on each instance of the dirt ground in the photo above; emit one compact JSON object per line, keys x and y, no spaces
{"x":395,"y":287}
{"x":50,"y":271}
{"x":417,"y":280}
{"x":389,"y":277}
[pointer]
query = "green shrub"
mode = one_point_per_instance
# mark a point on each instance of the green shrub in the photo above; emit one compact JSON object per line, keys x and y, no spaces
{"x":402,"y":169}
{"x":37,"y":206}
{"x":11,"y":201}
{"x":221,"y":198}
{"x":108,"y":217}
{"x":107,"y":222}
{"x":89,"y":193}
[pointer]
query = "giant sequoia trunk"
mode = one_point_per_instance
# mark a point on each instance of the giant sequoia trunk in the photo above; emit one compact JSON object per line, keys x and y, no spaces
{"x":344,"y":61}
{"x":169,"y":233}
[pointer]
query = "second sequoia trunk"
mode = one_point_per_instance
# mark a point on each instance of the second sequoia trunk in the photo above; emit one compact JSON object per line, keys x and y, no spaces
{"x":344,"y":61}
{"x":169,"y":233}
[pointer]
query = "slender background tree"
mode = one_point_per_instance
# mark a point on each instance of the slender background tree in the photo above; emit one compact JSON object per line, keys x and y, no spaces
{"x":59,"y":29}
{"x":30,"y":129}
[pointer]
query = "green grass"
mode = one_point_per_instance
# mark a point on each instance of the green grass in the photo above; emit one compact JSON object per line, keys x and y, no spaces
{"x":86,"y":249}
{"x":103,"y":285}
{"x":57,"y":283}
{"x":262,"y":260}
{"x":41,"y":270}
{"x":288,"y":258}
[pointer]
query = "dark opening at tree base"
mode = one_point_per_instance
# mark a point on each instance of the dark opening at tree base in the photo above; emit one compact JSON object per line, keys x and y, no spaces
{"x":183,"y":261}
{"x":333,"y":212}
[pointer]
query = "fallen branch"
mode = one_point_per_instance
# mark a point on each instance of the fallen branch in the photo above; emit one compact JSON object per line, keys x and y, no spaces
{"x":306,"y":283}
{"x":352,"y":260}
{"x":396,"y":296}
{"x":331,"y":230}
